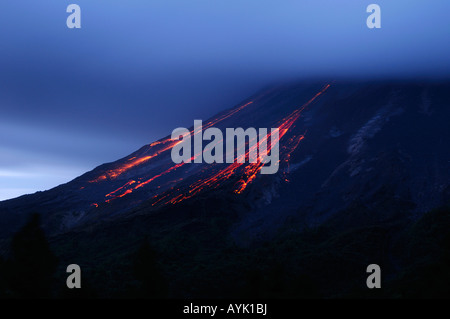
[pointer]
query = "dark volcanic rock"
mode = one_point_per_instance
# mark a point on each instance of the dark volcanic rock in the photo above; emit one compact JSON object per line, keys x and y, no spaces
{"x":380,"y":146}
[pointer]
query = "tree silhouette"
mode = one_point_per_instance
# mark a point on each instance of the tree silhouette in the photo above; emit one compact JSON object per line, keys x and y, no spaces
{"x":32,"y":265}
{"x":146,"y":270}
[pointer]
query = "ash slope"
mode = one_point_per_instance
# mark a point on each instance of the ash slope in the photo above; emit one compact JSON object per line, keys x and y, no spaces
{"x":379,"y":149}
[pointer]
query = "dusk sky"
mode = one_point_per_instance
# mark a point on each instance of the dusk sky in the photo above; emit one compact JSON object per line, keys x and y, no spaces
{"x":72,"y":99}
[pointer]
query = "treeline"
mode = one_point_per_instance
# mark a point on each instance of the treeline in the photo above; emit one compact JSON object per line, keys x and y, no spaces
{"x":29,"y":270}
{"x":324,"y":262}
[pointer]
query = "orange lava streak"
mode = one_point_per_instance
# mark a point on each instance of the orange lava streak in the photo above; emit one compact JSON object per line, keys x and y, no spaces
{"x":252,"y":169}
{"x":120,"y":188}
{"x":165,"y":141}
{"x":226,"y":173}
{"x":160,"y":199}
{"x":159,"y":175}
{"x":291,"y":146}
{"x":128,"y":191}
{"x":249,"y":173}
{"x":132,"y":162}
{"x":209,"y":124}
{"x":225,"y":116}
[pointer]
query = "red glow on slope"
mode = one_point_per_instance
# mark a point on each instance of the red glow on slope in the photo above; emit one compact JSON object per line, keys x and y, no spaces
{"x":120,"y":188}
{"x":133,"y":162}
{"x":159,"y":175}
{"x":112,"y":174}
{"x":227,"y":115}
{"x":250,"y":170}
{"x":289,"y":148}
{"x":246,"y":171}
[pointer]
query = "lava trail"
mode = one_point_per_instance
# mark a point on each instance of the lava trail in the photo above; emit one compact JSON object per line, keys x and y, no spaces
{"x":168,"y":145}
{"x":249,"y":171}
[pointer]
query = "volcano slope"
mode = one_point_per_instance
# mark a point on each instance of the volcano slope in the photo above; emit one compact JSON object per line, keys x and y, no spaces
{"x":363,"y":174}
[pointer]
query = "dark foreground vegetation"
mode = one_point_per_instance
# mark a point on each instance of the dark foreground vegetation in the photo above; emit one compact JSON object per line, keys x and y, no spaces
{"x":196,"y":259}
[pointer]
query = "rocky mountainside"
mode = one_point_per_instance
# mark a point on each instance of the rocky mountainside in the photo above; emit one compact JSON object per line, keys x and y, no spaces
{"x":380,"y":148}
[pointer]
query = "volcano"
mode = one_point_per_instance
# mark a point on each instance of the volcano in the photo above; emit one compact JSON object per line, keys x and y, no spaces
{"x":340,"y":143}
{"x":352,"y":154}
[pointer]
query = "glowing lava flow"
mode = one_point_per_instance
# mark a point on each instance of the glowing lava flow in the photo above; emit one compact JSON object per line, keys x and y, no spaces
{"x":169,"y":144}
{"x":247,"y":171}
{"x":225,"y":116}
{"x":250,"y":170}
{"x":288,"y":149}
{"x":133,"y":162}
{"x":120,"y":188}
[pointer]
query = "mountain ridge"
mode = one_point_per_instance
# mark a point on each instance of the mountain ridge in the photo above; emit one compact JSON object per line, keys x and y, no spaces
{"x":346,"y":138}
